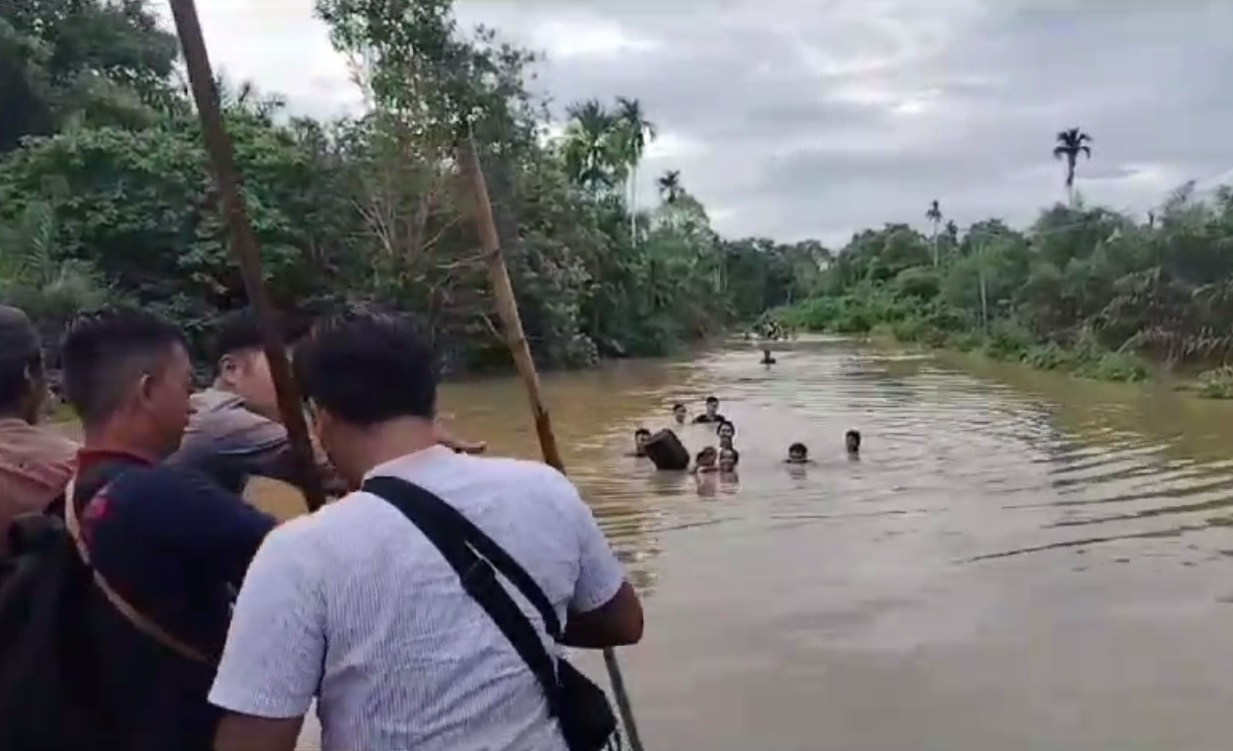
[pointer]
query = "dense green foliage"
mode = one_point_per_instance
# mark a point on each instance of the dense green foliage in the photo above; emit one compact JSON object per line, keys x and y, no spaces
{"x":1084,"y":289}
{"x":105,"y":191}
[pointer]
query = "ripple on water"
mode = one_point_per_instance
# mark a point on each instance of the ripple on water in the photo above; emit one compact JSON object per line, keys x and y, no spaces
{"x":990,"y":510}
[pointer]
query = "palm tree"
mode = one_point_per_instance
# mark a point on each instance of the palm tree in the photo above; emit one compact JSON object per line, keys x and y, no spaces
{"x":934,"y":215}
{"x":591,"y":148}
{"x":1070,"y":143}
{"x":636,"y":133}
{"x":670,"y":185}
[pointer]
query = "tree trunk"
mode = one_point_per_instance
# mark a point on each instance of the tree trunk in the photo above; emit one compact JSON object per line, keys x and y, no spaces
{"x":984,"y":302}
{"x":633,"y":205}
{"x":1070,"y":181}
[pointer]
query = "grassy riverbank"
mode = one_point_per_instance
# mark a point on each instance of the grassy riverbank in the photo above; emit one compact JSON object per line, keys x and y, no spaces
{"x":1004,"y":340}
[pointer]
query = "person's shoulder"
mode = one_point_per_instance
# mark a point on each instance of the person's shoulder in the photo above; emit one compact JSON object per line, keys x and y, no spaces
{"x":221,"y":419}
{"x":165,"y":486}
{"x":522,"y":472}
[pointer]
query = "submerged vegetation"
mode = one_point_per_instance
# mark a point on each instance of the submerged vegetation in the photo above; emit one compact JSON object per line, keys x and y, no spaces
{"x":1084,"y":289}
{"x":105,"y":193}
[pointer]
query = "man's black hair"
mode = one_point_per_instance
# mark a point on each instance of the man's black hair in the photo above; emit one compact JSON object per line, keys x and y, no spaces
{"x":677,"y":406}
{"x":736,"y":455}
{"x":712,"y":400}
{"x":722,"y":423}
{"x":15,"y":375}
{"x":21,"y":357}
{"x":642,"y":431}
{"x":853,"y":434}
{"x":368,"y":367}
{"x":239,"y":330}
{"x":105,"y":352}
{"x":798,"y":448}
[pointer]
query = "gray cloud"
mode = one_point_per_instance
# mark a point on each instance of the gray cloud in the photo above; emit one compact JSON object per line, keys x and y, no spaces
{"x":795,"y":118}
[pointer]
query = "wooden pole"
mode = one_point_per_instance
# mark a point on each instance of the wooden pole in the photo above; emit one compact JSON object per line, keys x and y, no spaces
{"x":244,"y":245}
{"x":516,"y":340}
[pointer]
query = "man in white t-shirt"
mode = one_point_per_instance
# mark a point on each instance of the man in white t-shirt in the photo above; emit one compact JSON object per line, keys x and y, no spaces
{"x":356,"y":606}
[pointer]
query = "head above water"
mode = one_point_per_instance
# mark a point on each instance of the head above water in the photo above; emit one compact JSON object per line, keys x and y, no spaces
{"x":712,"y":406}
{"x":726,"y":429}
{"x":23,"y":381}
{"x":128,"y":375}
{"x":371,"y":381}
{"x":706,"y":457}
{"x":728,"y":459}
{"x":242,"y":367}
{"x":641,"y":436}
{"x":852,"y":439}
{"x":798,"y":452}
{"x":680,"y":413}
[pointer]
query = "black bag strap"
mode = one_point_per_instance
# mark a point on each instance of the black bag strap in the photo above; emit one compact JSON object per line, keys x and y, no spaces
{"x":476,"y":557}
{"x":454,"y":521}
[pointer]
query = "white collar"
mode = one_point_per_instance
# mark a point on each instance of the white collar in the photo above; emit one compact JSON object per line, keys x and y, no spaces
{"x":400,"y":465}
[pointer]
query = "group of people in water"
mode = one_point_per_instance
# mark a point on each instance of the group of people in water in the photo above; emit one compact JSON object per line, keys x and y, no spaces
{"x":724,"y":458}
{"x":146,"y":604}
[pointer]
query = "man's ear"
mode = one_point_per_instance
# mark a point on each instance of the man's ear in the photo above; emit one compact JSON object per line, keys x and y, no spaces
{"x":228,"y":366}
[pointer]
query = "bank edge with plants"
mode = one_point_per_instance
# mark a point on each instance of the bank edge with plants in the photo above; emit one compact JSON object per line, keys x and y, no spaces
{"x":105,"y":194}
{"x":1084,"y":289}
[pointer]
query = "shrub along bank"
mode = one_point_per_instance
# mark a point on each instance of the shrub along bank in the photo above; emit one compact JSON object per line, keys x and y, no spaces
{"x":1087,"y":291}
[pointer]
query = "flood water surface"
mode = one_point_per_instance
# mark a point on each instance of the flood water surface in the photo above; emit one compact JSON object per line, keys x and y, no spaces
{"x":1017,"y":561}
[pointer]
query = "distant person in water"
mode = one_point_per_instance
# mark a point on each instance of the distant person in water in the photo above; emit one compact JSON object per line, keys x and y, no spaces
{"x":798,"y":453}
{"x":641,"y":436}
{"x":712,"y":412}
{"x":705,"y":461}
{"x":766,"y":357}
{"x":726,"y":432}
{"x":680,"y":414}
{"x":853,"y":441}
{"x":728,"y":459}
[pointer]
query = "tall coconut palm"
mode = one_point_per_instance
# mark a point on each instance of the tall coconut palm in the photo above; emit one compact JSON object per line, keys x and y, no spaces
{"x":636,"y":133}
{"x":934,"y":215}
{"x":591,"y":147}
{"x":1070,"y":144}
{"x":670,"y":185}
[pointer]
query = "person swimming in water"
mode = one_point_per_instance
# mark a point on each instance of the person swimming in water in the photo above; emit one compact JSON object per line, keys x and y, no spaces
{"x":679,"y":413}
{"x":852,"y":439}
{"x":766,"y":357}
{"x":705,"y":461}
{"x":726,"y":432}
{"x":641,"y":436}
{"x":712,"y":412}
{"x":798,"y":453}
{"x":728,"y":459}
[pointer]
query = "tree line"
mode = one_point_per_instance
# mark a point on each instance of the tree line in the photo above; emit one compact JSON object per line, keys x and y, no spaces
{"x":1084,"y":288}
{"x":106,"y":197}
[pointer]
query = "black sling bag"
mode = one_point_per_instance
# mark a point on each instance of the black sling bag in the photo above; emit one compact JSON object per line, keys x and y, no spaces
{"x":580,"y":707}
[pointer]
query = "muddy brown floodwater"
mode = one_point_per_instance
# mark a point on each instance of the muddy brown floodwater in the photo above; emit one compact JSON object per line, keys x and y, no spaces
{"x":1019,"y":561}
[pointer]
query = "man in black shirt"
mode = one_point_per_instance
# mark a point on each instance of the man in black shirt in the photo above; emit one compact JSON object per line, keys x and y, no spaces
{"x":712,"y":412}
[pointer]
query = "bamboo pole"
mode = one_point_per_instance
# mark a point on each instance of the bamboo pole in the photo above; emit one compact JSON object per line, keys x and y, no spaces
{"x":244,"y":244}
{"x":520,"y":350}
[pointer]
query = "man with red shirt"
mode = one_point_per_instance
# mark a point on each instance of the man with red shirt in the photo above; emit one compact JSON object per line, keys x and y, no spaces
{"x":170,"y":544}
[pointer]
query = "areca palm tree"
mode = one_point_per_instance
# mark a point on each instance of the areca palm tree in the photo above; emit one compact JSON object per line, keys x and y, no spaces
{"x":636,"y":132}
{"x":670,"y":185}
{"x":934,"y":215}
{"x":592,"y":145}
{"x":1070,"y":143}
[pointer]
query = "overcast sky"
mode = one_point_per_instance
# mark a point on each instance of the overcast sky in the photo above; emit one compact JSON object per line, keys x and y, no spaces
{"x":815,"y":118}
